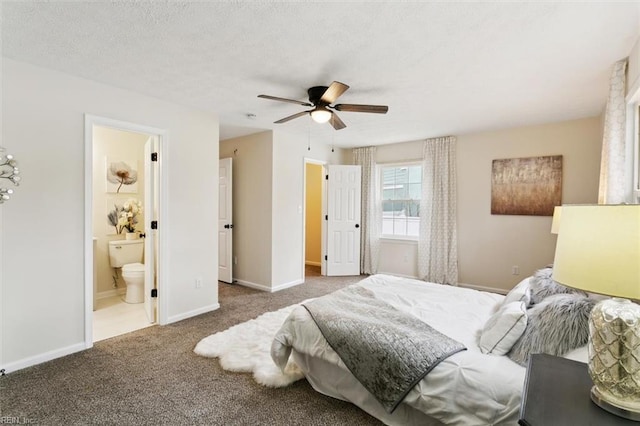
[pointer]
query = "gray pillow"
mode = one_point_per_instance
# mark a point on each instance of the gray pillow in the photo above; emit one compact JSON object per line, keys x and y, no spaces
{"x":542,"y":285}
{"x":557,"y":325}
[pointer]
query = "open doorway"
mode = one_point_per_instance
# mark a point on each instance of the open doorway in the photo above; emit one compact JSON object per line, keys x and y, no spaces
{"x":122,"y":241}
{"x":313,"y":178}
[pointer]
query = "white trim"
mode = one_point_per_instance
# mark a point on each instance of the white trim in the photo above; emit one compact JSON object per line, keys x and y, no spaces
{"x":287,"y":285}
{"x":393,"y":239}
{"x":163,"y":139}
{"x":266,"y":288}
{"x":483,"y":288}
{"x":111,"y":293}
{"x":633,"y":131}
{"x":195,"y":312}
{"x":43,"y":357}
{"x":250,"y":284}
{"x":2,"y":319}
{"x":312,"y":263}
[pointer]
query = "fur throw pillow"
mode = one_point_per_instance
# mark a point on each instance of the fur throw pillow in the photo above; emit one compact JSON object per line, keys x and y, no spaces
{"x":543,"y":285}
{"x":557,"y":325}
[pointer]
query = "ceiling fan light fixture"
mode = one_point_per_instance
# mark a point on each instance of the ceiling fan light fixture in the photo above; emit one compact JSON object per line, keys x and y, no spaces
{"x":321,"y":115}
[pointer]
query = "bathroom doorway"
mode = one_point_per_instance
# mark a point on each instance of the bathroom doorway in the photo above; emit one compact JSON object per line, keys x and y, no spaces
{"x":123,"y":205}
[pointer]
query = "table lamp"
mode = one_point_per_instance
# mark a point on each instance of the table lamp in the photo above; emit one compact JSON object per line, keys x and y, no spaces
{"x":555,"y":222}
{"x":598,"y":251}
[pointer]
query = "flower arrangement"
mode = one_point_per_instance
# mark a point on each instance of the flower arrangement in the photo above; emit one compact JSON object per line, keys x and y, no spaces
{"x":125,"y":218}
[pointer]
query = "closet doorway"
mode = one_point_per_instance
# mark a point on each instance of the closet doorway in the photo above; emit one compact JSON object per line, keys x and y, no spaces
{"x":313,"y":216}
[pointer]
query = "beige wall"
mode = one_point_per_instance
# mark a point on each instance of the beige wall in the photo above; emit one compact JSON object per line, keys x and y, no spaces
{"x":113,"y":144}
{"x":252,"y":215}
{"x":490,"y":245}
{"x":313,"y":213}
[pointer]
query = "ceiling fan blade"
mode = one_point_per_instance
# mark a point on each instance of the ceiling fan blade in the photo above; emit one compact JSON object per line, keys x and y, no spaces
{"x":291,"y":117}
{"x":336,"y":122}
{"x":376,"y":109}
{"x":333,"y":92}
{"x":291,"y":101}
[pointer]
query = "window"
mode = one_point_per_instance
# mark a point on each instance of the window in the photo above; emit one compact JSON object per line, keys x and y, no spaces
{"x":401,"y":193}
{"x":636,"y":183}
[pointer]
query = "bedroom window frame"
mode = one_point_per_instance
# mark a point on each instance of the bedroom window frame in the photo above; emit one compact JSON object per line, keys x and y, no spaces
{"x":381,"y":191}
{"x":633,"y":134}
{"x":636,"y":152}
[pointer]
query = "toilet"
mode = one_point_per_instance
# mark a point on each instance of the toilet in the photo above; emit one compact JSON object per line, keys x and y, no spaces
{"x":127,"y":255}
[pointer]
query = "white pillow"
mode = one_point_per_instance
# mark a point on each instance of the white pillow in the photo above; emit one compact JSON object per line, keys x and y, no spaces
{"x":520,"y":293}
{"x":504,"y":328}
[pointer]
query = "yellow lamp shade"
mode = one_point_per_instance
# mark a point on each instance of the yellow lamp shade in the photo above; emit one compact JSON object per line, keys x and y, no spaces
{"x":598,"y":249}
{"x":555,"y":223}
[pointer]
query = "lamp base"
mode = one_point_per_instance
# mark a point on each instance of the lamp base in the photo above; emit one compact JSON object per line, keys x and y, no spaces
{"x":614,"y":357}
{"x":599,"y":400}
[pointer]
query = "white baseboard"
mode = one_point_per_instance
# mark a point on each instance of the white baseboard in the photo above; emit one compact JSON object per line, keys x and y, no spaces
{"x":44,"y":357}
{"x":287,"y":285}
{"x":483,"y":288}
{"x":249,"y":284}
{"x":266,"y":288}
{"x":111,"y":293}
{"x":190,"y":314}
{"x":312,"y":263}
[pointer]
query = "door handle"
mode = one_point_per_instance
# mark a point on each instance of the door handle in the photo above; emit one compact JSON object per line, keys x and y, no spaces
{"x":228,"y":226}
{"x":357,"y":225}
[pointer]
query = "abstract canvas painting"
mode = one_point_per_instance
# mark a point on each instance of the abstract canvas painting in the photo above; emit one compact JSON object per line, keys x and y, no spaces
{"x":526,"y":186}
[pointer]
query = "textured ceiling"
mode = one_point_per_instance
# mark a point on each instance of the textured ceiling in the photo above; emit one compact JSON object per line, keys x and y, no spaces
{"x":443,"y":68}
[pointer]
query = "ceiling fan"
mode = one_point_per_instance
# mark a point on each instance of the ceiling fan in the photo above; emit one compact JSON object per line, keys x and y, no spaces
{"x":321,"y":98}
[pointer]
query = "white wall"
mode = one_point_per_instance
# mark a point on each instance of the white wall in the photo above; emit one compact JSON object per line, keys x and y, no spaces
{"x":289,"y":152}
{"x":489,"y":245}
{"x":42,"y":235}
{"x":633,"y":70}
{"x":116,"y":145}
{"x":268,"y":200}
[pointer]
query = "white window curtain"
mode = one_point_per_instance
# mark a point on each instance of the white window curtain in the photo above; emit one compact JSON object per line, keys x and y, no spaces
{"x":613,"y":182}
{"x":371,"y":210}
{"x":437,"y":244}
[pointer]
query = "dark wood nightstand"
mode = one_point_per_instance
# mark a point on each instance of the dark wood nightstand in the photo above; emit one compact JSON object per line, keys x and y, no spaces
{"x":556,"y":393}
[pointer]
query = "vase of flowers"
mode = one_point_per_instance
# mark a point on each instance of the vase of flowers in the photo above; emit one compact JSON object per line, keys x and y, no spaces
{"x":125,"y":218}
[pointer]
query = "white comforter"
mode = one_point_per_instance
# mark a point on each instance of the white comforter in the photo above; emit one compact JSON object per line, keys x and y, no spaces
{"x":468,"y":388}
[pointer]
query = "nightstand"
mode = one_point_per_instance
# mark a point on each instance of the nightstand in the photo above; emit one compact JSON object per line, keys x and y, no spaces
{"x":556,"y":393}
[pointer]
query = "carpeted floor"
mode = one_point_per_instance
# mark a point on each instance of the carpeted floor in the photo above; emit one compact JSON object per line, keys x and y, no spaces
{"x":152,"y":377}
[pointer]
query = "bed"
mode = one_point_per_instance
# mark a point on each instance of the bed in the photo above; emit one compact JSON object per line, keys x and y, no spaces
{"x":468,"y":387}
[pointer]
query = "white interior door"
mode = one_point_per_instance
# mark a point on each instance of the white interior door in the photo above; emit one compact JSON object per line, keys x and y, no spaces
{"x":343,"y":220}
{"x":225,"y":221}
{"x":150,"y":173}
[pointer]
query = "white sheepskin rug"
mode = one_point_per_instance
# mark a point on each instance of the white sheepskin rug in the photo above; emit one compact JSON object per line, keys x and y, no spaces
{"x":246,"y":348}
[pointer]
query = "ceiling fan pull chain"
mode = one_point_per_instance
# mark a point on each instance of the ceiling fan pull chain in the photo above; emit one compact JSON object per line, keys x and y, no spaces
{"x":309,"y":135}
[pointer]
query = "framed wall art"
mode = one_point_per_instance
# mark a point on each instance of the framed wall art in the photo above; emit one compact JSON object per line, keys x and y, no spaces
{"x":122,"y":176}
{"x":526,"y":186}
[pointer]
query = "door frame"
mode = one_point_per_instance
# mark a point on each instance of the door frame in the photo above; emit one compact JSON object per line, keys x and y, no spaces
{"x":163,"y":141}
{"x":330,"y":241}
{"x":305,"y":161}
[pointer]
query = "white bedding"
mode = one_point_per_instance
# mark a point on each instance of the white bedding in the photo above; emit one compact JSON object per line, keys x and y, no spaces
{"x":468,"y":388}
